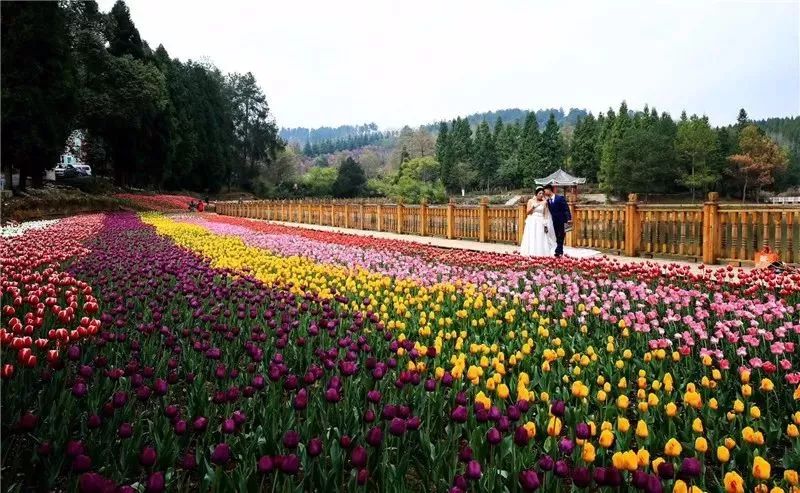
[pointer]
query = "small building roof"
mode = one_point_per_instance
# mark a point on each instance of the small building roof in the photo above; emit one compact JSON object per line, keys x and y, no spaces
{"x":560,"y":178}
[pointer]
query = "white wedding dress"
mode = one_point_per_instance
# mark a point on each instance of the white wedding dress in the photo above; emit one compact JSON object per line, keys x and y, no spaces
{"x":539,"y":238}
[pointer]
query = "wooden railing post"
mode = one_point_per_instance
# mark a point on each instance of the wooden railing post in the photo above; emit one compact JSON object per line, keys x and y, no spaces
{"x":522,"y":215}
{"x":711,"y":228}
{"x":321,"y":213}
{"x":400,"y":211}
{"x":379,"y":216}
{"x":571,"y":203}
{"x":632,"y":225}
{"x":423,"y":217}
{"x":361,"y":215}
{"x":483,"y":220}
{"x":346,"y":215}
{"x":451,"y":219}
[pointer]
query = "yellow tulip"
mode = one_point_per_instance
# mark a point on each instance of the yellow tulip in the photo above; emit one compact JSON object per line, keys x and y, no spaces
{"x":700,"y":445}
{"x":733,"y":483}
{"x":554,"y":426}
{"x":723,"y":454}
{"x":671,"y":409}
{"x":791,"y":477}
{"x":641,"y":429}
{"x":673,"y":448}
{"x":642,"y":457}
{"x":606,"y":439}
{"x":697,"y":425}
{"x":623,"y":425}
{"x":761,"y":468}
{"x":588,"y":454}
{"x":680,"y":487}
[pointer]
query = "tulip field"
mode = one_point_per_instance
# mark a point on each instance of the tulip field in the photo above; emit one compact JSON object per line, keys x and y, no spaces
{"x":196,"y":352}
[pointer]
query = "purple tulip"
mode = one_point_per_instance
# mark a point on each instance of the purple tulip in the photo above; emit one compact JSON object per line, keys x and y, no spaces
{"x":473,"y":472}
{"x":94,"y":421}
{"x":119,"y":399}
{"x":155,"y":483}
{"x":200,"y":423}
{"x":529,"y":480}
{"x":513,"y":413}
{"x":345,"y":441}
{"x":613,"y":477}
{"x":600,"y":476}
{"x":666,"y":470}
{"x":465,"y":454}
{"x":653,"y":484}
{"x":291,"y":439}
{"x":239,"y":417}
{"x":566,"y":446}
{"x":74,"y":352}
{"x":358,"y":457}
{"x":459,"y":414}
{"x":374,"y":396}
{"x":228,"y":426}
{"x":180,"y":427}
{"x":562,"y":468}
{"x":362,"y":477}
{"x":582,"y":431}
{"x":374,"y":436}
{"x":300,"y":400}
{"x":91,"y":482}
{"x":430,"y":385}
{"x":221,"y":454}
{"x":460,"y":483}
{"x":314,"y":447}
{"x":265,"y":464}
{"x":413,"y":423}
{"x":558,"y":408}
{"x":81,"y":463}
{"x":147,"y":457}
{"x":690,"y":468}
{"x":45,"y":448}
{"x":332,"y":395}
{"x":80,"y":390}
{"x":171,"y":411}
{"x":290,"y":464}
{"x":493,"y":436}
{"x":160,"y":386}
{"x":581,"y":477}
{"x":397,"y":427}
{"x":75,"y":448}
{"x":546,"y":463}
{"x":28,"y":422}
{"x":639,"y":479}
{"x":189,"y":461}
{"x":521,"y":437}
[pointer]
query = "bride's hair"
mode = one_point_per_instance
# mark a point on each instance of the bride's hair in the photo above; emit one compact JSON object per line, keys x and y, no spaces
{"x":538,"y":189}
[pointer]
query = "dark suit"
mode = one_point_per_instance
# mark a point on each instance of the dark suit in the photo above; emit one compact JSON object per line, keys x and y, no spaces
{"x":559,"y":211}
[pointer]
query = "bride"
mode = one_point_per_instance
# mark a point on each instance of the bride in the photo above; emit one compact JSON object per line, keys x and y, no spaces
{"x":539,"y":237}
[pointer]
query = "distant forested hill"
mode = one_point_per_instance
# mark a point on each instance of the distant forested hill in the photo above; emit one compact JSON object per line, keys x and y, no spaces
{"x":511,"y":115}
{"x":302,"y":135}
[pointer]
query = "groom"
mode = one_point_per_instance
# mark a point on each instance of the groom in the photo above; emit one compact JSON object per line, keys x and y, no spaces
{"x":559,"y":211}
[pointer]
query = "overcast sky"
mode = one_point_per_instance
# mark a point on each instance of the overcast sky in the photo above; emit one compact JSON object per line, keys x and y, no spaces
{"x":417,"y":61}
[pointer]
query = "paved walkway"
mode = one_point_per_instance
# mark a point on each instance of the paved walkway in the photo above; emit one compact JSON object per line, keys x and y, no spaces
{"x":468,"y":244}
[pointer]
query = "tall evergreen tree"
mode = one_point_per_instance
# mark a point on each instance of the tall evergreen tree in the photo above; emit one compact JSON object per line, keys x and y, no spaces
{"x":551,"y":156}
{"x":696,"y":146}
{"x":123,"y":37}
{"x":529,"y":150}
{"x":350,"y":181}
{"x":444,"y":155}
{"x":583,"y":152}
{"x":485,"y":155}
{"x":742,"y":120}
{"x":609,"y":165}
{"x":39,"y":87}
{"x":507,"y":144}
{"x":462,"y":145}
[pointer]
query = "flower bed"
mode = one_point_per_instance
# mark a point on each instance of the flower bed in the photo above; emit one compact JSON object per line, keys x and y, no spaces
{"x":235,"y":357}
{"x":159,"y":203}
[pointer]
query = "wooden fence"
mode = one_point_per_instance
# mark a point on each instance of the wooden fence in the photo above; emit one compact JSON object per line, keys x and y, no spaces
{"x":711,"y":232}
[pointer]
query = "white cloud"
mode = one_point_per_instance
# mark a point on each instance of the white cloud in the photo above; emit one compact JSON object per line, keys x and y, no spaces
{"x":416,"y":61}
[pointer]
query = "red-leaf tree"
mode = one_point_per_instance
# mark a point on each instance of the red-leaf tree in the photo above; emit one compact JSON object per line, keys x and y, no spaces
{"x":759,"y":159}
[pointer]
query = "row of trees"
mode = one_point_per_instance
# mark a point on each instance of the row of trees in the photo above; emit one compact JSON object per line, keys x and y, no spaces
{"x":348,"y":143}
{"x":144,"y":117}
{"x":624,"y":151}
{"x":505,"y":156}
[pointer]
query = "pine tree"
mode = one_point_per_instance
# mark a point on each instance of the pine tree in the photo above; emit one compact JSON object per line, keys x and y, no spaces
{"x":485,"y":154}
{"x":583,"y":152}
{"x":529,"y":150}
{"x":551,"y":155}
{"x":742,"y":120}
{"x":507,"y":143}
{"x":123,"y":37}
{"x":444,"y":154}
{"x":350,"y":181}
{"x":461,"y":139}
{"x":610,"y":172}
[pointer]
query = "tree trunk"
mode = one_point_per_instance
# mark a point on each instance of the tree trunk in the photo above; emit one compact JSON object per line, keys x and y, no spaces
{"x":9,"y":174}
{"x":744,"y":191}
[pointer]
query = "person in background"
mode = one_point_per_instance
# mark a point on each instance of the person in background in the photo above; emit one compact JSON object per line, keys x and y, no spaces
{"x":559,"y":211}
